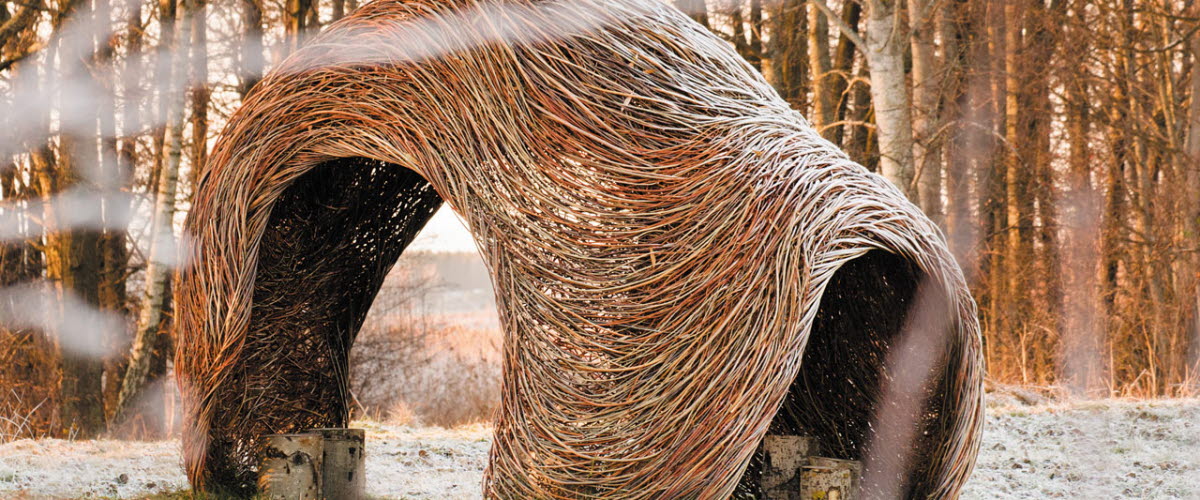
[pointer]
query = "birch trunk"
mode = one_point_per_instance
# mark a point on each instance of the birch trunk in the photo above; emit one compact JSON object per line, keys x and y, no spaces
{"x":162,"y":243}
{"x":889,"y":93}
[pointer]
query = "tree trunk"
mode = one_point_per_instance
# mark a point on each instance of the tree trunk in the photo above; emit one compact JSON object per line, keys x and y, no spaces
{"x":197,"y":10}
{"x":1192,"y":188}
{"x":73,"y":255}
{"x":150,"y":315}
{"x":788,"y":51}
{"x":339,"y":10}
{"x":250,"y":62}
{"x":1044,"y":25}
{"x":1082,"y":331}
{"x":756,"y":27}
{"x":925,"y":109}
{"x":843,"y":71}
{"x":955,"y":27}
{"x":824,"y":101}
{"x":740,"y":41}
{"x":295,"y":23}
{"x":1016,"y":251}
{"x":861,"y":147}
{"x":695,"y":9}
{"x":111,"y":180}
{"x":889,"y":93}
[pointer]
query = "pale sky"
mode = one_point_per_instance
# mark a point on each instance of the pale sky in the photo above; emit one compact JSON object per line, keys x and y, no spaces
{"x":444,"y":233}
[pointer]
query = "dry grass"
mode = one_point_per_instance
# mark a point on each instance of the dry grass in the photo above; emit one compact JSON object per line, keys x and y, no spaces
{"x":417,"y":374}
{"x":29,"y":393}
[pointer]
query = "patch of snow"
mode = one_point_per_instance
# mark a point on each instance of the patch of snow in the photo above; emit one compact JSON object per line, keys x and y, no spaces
{"x":1104,"y":449}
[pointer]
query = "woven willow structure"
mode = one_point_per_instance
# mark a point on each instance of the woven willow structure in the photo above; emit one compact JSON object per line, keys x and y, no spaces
{"x":681,"y":263}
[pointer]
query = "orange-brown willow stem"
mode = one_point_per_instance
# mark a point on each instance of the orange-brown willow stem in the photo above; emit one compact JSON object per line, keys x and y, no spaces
{"x":659,"y":226}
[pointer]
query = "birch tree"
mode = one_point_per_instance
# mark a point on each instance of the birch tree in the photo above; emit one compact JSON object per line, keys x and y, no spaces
{"x":883,"y":46}
{"x":162,"y":244}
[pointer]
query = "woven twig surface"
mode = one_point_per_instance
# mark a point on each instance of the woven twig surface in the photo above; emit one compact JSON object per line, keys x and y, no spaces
{"x":660,"y":228}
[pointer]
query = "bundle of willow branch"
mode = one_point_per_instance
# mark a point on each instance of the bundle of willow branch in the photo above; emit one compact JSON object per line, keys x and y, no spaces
{"x":667,"y":240}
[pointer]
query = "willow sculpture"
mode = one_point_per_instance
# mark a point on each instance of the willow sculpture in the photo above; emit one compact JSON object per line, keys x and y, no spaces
{"x":682,"y":265}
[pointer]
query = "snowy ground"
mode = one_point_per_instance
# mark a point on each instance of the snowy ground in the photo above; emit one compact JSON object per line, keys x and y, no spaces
{"x":1092,"y":450}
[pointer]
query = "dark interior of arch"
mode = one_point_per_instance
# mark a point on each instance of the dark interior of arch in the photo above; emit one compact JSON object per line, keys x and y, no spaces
{"x":330,"y":241}
{"x":833,"y":398}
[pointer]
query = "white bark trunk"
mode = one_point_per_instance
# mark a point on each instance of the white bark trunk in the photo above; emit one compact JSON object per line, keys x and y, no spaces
{"x":889,"y":94}
{"x":323,"y":464}
{"x":162,"y":241}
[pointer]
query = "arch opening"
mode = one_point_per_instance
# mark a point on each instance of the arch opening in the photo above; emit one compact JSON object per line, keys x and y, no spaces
{"x":866,"y":306}
{"x":331,"y":238}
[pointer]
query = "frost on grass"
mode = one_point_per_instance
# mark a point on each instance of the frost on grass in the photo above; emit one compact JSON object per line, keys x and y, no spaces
{"x":402,"y":462}
{"x":1095,"y":450}
{"x":58,"y":468}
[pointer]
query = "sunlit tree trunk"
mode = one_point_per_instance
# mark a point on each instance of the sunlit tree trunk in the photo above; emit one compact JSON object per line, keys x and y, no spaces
{"x":1113,"y":250}
{"x":72,"y":254}
{"x":300,"y":20}
{"x":1017,"y":264}
{"x":925,"y":80}
{"x":1192,"y":204}
{"x":990,"y":179}
{"x":1044,"y":24}
{"x":889,"y":94}
{"x":824,"y":101}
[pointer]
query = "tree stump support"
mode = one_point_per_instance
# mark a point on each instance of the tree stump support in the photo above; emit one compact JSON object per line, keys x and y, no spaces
{"x":793,"y":471}
{"x":320,"y":464}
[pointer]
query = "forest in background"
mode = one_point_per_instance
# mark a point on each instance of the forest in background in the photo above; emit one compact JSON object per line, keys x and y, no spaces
{"x":1056,"y":142}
